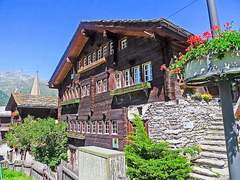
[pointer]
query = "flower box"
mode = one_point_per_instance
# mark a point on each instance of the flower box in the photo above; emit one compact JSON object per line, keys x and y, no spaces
{"x":207,"y":69}
{"x":137,"y":87}
{"x":71,"y":101}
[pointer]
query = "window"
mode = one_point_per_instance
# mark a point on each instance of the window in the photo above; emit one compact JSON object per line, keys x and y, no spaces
{"x":88,"y":127}
{"x":111,"y":49}
{"x":94,"y":56}
{"x":83,"y":127}
{"x":72,"y":126}
{"x":105,"y":51}
{"x":101,"y":86}
{"x":85,"y":90}
{"x":107,"y":127}
{"x":127,"y":77}
{"x":89,"y":58}
{"x":123,"y":43}
{"x":136,"y":75}
{"x":147,"y":70}
{"x":99,"y":53}
{"x":104,"y":84}
{"x":100,"y":130}
{"x":94,"y":127}
{"x":114,"y":127}
{"x":79,"y":126}
{"x":118,"y":79}
{"x":88,"y":90}
{"x":85,"y":63}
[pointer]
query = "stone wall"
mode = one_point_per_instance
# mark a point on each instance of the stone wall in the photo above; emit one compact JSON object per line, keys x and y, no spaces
{"x":181,"y":124}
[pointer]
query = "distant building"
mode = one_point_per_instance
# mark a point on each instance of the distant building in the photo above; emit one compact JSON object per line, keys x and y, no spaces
{"x":5,"y":121}
{"x":22,"y":105}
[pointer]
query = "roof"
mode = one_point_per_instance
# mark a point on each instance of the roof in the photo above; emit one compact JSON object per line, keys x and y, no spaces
{"x":143,"y":28}
{"x":32,"y":101}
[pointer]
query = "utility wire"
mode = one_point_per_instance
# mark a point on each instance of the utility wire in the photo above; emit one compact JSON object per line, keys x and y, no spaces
{"x":181,"y":9}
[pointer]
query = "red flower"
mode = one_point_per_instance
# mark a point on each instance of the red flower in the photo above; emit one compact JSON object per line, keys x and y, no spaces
{"x":207,"y":35}
{"x":215,"y":28}
{"x":195,"y":40}
{"x":163,"y":67}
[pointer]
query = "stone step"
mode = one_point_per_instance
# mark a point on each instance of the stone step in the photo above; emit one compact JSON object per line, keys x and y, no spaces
{"x":201,"y":177}
{"x":213,"y":148}
{"x":217,"y":123}
{"x":217,"y":127}
{"x":203,"y":171}
{"x":221,"y":172}
{"x":211,"y":162}
{"x":217,"y":118}
{"x":213,"y":155}
{"x":209,"y":137}
{"x":215,"y":132}
{"x":214,"y":142}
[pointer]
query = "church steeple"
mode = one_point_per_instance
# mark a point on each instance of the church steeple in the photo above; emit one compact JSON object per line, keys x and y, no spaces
{"x":36,"y":86}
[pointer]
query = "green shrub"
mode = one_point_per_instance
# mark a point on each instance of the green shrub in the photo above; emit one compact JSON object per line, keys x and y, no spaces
{"x":9,"y":174}
{"x":46,"y":140}
{"x":147,"y":160}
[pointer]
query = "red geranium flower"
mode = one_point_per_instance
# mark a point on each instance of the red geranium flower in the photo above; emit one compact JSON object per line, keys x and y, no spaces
{"x":195,"y":40}
{"x":188,"y":49}
{"x":207,"y":35}
{"x":163,"y":67}
{"x":215,"y":28}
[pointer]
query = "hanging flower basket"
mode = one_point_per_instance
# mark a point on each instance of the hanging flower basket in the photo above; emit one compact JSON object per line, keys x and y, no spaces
{"x":210,"y":59}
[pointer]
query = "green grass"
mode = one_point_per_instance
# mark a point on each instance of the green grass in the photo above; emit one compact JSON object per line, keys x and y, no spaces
{"x":9,"y":174}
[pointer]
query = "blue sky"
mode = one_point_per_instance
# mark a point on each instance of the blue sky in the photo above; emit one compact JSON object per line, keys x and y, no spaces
{"x":35,"y":33}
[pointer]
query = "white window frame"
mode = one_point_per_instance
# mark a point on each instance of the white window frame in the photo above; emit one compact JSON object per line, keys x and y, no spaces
{"x":127,"y":77}
{"x":99,"y":53}
{"x":100,"y":124}
{"x":88,"y":88}
{"x":88,"y":127}
{"x":94,"y":127}
{"x":94,"y":56}
{"x":105,"y":51}
{"x":118,"y":78}
{"x":89,"y":59}
{"x":85,"y":63}
{"x":147,"y":71}
{"x":137,"y":74}
{"x":83,"y":127}
{"x":111,"y":50}
{"x":107,"y":127}
{"x":104,"y":85}
{"x":114,"y":126}
{"x":123,"y":43}
{"x":79,"y":124}
{"x":99,"y":85}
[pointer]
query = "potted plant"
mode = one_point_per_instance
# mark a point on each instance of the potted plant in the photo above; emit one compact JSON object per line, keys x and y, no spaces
{"x":210,"y":59}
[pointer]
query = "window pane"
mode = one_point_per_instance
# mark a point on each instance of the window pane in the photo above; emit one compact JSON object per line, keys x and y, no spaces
{"x":137,"y":74}
{"x":127,"y":77}
{"x":147,"y":72}
{"x":118,"y":80}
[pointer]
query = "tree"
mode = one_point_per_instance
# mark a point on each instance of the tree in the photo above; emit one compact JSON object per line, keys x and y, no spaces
{"x":46,"y":140}
{"x":147,"y":160}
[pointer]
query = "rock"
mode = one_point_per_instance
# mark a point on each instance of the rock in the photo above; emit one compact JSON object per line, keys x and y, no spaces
{"x":211,"y":162}
{"x":203,"y":171}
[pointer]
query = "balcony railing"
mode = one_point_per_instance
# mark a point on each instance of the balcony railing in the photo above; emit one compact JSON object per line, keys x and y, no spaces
{"x":70,"y":101}
{"x":92,"y":65}
{"x":136,"y":87}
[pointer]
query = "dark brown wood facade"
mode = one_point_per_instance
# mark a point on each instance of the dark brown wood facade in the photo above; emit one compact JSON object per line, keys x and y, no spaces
{"x":112,"y":72}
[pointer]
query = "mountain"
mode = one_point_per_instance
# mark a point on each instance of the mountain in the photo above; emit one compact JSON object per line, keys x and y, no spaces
{"x":3,"y":98}
{"x":21,"y":82}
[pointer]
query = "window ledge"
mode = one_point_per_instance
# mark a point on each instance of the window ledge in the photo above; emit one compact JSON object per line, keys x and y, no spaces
{"x":75,"y":135}
{"x":71,"y":101}
{"x":133,"y":88}
{"x":92,"y":65}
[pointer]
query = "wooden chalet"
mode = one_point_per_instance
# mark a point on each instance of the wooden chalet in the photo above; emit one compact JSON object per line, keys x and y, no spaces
{"x":34,"y":104}
{"x":108,"y":66}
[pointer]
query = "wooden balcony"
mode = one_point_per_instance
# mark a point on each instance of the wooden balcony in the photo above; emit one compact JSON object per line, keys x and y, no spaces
{"x":125,"y":90}
{"x":76,"y":135}
{"x":92,"y":65}
{"x":70,"y":101}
